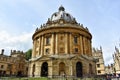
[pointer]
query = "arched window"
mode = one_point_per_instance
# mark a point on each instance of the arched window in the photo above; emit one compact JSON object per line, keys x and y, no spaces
{"x":75,"y":40}
{"x":33,"y":71}
{"x":79,"y":69}
{"x":44,"y":69}
{"x":90,"y":69}
{"x":62,"y":68}
{"x":76,"y":50}
{"x":47,"y":40}
{"x":47,"y":50}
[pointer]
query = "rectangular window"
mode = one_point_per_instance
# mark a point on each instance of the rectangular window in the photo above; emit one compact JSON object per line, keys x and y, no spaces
{"x":9,"y":66}
{"x":75,"y":40}
{"x":47,"y":51}
{"x":99,"y":71}
{"x":76,"y":50}
{"x":98,"y":60}
{"x":2,"y":66}
{"x":47,"y":40}
{"x":98,"y":65}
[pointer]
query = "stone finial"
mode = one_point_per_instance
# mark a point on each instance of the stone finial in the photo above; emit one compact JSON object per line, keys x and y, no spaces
{"x":81,"y":25}
{"x":116,"y":49}
{"x":94,"y":50}
{"x":100,"y":47}
{"x":113,"y":55}
{"x":37,"y":29}
{"x":41,"y":26}
{"x":48,"y":19}
{"x":86,"y":28}
{"x":11,"y":51}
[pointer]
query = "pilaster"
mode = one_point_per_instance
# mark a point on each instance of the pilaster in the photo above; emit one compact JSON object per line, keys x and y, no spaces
{"x":70,"y":50}
{"x":56,"y":44}
{"x":81,"y":45}
{"x":52,"y":44}
{"x":34,"y":49}
{"x":41,"y":45}
{"x":66,"y":43}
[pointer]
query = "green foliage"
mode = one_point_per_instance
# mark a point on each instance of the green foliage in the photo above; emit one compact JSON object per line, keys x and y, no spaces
{"x":28,"y":54}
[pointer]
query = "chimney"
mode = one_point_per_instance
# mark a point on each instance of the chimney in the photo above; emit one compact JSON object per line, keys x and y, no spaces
{"x":2,"y":52}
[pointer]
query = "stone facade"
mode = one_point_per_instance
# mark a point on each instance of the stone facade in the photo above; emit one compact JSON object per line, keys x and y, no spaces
{"x":98,"y":55}
{"x":116,"y":58}
{"x":109,"y":70}
{"x":62,"y":47}
{"x":13,"y":65}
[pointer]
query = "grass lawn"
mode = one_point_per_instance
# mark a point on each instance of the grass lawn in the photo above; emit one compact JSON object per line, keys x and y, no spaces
{"x":43,"y":78}
{"x":12,"y":78}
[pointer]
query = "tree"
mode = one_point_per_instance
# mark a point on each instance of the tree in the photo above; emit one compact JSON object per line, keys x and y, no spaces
{"x":28,"y":54}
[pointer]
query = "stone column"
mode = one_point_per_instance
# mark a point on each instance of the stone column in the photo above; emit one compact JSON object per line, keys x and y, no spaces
{"x":66,"y":43}
{"x":71,"y":70}
{"x":34,"y":49}
{"x":37,"y":71}
{"x":90,"y":44}
{"x":50,"y":69}
{"x":56,"y":44}
{"x":84,"y":45}
{"x":81,"y":45}
{"x":52,"y":44}
{"x":70,"y":50}
{"x":41,"y":45}
{"x":40,"y":65}
{"x":30,"y":70}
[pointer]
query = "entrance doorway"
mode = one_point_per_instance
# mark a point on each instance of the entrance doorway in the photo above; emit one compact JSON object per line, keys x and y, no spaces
{"x":62,"y":68}
{"x":79,"y":69}
{"x":90,"y":69}
{"x":44,"y":69}
{"x":33,"y":71}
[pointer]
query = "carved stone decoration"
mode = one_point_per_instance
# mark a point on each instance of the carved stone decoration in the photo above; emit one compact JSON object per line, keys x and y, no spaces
{"x":69,"y":49}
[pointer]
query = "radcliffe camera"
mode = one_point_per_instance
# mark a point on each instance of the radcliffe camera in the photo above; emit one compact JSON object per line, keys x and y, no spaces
{"x":63,"y":47}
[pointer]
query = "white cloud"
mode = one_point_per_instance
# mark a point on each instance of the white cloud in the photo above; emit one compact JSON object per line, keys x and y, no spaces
{"x":19,"y":42}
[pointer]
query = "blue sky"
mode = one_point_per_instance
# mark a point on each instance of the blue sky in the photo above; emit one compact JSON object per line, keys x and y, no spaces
{"x":20,"y":18}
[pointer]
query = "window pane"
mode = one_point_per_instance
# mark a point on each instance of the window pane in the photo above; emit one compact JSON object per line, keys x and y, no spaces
{"x":98,"y":65}
{"x":75,"y":40}
{"x":99,"y":71}
{"x":47,"y":40}
{"x":2,"y":66}
{"x":76,"y":50}
{"x":47,"y":51}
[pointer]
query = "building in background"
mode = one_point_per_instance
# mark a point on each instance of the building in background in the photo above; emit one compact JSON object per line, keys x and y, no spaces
{"x":116,"y":58}
{"x":100,"y":67}
{"x":62,"y":47}
{"x":13,"y":65}
{"x":109,"y":70}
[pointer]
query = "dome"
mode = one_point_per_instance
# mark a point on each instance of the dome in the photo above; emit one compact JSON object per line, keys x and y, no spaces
{"x":61,"y":14}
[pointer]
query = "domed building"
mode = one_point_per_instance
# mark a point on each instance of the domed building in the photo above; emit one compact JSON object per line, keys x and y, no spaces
{"x":62,"y":46}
